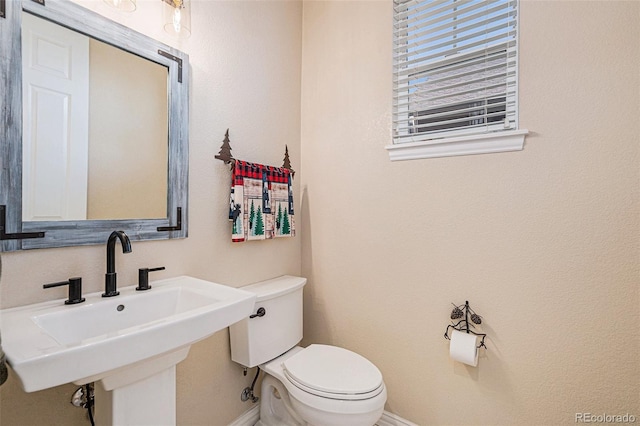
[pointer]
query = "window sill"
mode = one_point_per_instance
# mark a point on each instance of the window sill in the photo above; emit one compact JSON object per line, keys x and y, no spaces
{"x":512,"y":140}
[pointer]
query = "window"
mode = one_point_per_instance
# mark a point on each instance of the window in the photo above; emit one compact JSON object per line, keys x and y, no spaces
{"x":455,"y":78}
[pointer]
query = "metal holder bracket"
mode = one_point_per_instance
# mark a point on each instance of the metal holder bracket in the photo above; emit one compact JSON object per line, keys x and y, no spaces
{"x":177,"y":227}
{"x":15,"y":236}
{"x":173,"y":58}
{"x":463,"y":325}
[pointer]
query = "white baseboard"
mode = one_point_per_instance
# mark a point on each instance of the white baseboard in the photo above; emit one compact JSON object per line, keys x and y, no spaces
{"x":390,"y":419}
{"x":250,"y":417}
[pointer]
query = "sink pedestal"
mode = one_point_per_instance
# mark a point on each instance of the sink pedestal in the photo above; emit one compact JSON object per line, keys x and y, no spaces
{"x":142,"y":395}
{"x":149,"y":402}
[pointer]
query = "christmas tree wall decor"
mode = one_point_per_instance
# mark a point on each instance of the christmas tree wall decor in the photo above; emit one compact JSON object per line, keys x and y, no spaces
{"x":225,"y":150}
{"x":286,"y":163}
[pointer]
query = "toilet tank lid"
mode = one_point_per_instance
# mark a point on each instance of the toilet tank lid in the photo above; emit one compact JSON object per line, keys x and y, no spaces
{"x":275,"y":287}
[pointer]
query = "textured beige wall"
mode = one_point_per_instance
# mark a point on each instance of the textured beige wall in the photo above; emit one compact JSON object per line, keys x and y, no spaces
{"x":245,"y":75}
{"x":544,"y":243}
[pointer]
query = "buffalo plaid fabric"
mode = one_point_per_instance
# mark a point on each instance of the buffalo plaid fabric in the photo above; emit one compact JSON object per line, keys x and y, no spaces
{"x":261,"y":202}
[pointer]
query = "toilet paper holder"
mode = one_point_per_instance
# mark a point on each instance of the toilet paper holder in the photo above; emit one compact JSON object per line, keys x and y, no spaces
{"x":464,"y":325}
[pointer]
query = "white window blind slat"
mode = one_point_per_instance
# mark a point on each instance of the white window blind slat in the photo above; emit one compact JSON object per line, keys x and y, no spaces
{"x":467,"y":93}
{"x":462,"y":34}
{"x":495,"y":69}
{"x":479,"y":129}
{"x":436,"y":19}
{"x":472,"y":109}
{"x":402,"y":9}
{"x":455,"y":68}
{"x":418,"y":59}
{"x":418,"y":27}
{"x":466,"y":79}
{"x":459,"y":60}
{"x":457,"y":123}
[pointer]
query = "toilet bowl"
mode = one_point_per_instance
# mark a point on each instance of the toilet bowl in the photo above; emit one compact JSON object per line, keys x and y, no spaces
{"x":328,"y":385}
{"x":320,"y":385}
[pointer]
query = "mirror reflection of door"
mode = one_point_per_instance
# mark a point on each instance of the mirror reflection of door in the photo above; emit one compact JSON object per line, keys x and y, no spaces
{"x":95,"y":128}
{"x":55,"y":67}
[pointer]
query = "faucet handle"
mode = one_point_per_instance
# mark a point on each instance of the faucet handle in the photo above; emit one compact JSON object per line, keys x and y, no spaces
{"x":143,"y":277}
{"x":75,"y":290}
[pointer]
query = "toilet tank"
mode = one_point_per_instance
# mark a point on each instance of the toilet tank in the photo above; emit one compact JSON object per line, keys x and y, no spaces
{"x":257,"y":340}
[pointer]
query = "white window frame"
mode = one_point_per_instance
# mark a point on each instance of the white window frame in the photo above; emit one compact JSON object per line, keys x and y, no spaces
{"x":490,"y":139}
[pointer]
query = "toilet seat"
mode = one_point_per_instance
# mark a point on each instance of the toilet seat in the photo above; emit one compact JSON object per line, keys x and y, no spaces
{"x":333,"y":372}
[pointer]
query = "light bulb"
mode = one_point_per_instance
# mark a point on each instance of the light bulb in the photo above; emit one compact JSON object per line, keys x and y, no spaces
{"x":177,"y":18}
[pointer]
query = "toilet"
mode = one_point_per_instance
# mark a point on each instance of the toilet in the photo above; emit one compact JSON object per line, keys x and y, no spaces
{"x":319,"y":385}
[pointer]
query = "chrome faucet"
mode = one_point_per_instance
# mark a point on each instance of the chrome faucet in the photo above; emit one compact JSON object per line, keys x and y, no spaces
{"x":110,"y":276}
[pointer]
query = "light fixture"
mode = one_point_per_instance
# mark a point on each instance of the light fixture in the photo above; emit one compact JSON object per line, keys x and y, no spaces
{"x":176,"y":17}
{"x":122,"y":5}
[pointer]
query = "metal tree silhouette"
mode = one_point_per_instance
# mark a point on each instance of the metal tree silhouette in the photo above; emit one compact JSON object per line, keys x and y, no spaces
{"x":225,"y":149}
{"x":286,"y":163}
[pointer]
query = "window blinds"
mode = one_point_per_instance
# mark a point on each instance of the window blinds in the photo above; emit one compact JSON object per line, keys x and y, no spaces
{"x":454,"y":68}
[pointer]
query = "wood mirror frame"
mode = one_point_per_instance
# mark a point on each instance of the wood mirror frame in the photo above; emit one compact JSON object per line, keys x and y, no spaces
{"x":85,"y":232}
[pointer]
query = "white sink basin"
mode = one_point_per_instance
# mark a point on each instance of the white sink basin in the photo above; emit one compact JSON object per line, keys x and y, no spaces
{"x":49,"y":344}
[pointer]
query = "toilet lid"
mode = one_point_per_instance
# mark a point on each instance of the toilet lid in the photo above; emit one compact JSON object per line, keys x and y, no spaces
{"x":333,"y":370}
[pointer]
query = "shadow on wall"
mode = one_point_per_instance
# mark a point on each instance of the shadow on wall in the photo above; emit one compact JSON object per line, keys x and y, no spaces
{"x":316,"y":328}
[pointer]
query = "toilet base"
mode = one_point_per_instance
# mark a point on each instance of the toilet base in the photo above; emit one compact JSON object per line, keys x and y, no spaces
{"x":275,"y":405}
{"x":279,"y":408}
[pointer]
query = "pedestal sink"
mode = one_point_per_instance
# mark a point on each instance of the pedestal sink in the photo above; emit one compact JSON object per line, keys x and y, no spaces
{"x":130,"y":343}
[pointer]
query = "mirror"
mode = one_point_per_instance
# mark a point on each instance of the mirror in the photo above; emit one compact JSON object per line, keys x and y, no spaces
{"x":104,"y":150}
{"x":94,"y":125}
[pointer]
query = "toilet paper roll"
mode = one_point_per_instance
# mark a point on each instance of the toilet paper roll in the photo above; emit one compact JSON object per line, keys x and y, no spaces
{"x":463,"y":347}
